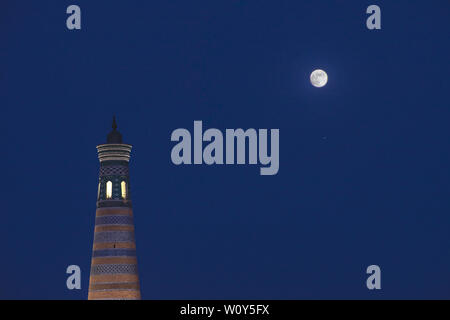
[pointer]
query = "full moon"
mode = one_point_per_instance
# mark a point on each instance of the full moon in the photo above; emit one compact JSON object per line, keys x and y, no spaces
{"x":319,"y":78}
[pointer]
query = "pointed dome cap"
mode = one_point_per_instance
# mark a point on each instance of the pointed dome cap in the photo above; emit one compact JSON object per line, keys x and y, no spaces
{"x":114,"y":136}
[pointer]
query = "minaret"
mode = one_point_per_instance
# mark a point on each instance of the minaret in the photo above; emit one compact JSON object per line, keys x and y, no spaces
{"x":114,"y":272}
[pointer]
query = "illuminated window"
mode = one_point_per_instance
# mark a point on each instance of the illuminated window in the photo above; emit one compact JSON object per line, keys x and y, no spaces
{"x":98,"y":192}
{"x":109,"y":190}
{"x":123,"y":187}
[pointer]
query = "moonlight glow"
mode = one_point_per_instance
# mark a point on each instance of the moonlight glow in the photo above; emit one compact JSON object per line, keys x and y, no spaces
{"x":319,"y":78}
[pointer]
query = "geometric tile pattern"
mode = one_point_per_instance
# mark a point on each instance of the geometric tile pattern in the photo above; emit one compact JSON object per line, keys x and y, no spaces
{"x":113,"y":171}
{"x":114,"y":236}
{"x":114,"y":220}
{"x":114,"y":268}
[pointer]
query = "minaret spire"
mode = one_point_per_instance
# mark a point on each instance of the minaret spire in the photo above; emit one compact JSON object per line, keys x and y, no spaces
{"x":114,"y":124}
{"x":114,"y":136}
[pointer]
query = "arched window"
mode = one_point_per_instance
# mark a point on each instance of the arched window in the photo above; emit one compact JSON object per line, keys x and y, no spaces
{"x":109,"y":190}
{"x":123,"y":187}
{"x":98,"y":192}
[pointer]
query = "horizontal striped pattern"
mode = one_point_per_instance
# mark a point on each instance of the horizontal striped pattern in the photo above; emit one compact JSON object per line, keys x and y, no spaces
{"x":114,"y":271}
{"x":114,"y":152}
{"x":119,"y":294}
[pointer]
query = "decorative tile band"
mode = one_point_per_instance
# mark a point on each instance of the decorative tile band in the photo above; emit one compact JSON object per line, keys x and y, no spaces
{"x":113,"y":236}
{"x":109,"y":211}
{"x":114,"y":171}
{"x":113,"y":260}
{"x":114,"y":203}
{"x":112,"y":286}
{"x":113,"y":278}
{"x":114,"y":253}
{"x":121,"y":220}
{"x":114,"y":228}
{"x":114,"y":269}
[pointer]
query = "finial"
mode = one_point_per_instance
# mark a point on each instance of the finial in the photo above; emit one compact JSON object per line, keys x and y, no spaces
{"x":114,"y":136}
{"x":114,"y":124}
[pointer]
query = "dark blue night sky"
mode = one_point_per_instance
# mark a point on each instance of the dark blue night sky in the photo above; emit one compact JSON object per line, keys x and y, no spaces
{"x":364,"y":162}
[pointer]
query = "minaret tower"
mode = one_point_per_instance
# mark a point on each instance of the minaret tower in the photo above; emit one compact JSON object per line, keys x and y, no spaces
{"x":114,"y":272}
